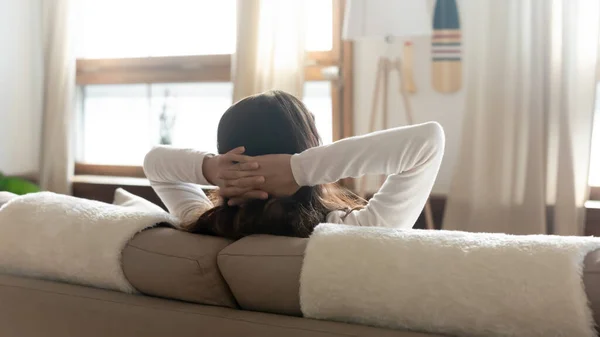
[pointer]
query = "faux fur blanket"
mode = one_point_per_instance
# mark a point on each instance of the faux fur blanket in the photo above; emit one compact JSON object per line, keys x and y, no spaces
{"x":454,"y":283}
{"x":57,"y":237}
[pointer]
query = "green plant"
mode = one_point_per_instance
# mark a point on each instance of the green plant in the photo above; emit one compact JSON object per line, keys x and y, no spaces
{"x":17,"y":185}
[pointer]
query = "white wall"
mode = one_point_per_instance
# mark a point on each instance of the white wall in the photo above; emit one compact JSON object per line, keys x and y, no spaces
{"x":428,"y":105}
{"x":20,"y":86}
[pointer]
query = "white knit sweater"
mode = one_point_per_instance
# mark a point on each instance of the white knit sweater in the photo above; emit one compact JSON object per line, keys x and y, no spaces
{"x":410,"y":156}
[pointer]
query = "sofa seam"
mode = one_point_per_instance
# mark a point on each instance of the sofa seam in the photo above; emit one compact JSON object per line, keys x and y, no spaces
{"x":224,"y":283}
{"x":162,"y":254}
{"x":258,"y":255}
{"x":173,"y":310}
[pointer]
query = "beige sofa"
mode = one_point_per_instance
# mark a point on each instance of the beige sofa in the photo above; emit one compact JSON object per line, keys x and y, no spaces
{"x":191,"y":285}
{"x":194,"y":285}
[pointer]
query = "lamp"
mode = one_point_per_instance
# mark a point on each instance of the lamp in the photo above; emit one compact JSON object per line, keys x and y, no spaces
{"x":390,"y":20}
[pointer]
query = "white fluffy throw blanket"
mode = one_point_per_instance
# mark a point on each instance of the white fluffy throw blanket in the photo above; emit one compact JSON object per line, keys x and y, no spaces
{"x":455,"y":283}
{"x":79,"y":241}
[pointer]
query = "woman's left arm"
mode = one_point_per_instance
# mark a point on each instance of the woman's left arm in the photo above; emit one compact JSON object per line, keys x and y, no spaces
{"x":410,"y":156}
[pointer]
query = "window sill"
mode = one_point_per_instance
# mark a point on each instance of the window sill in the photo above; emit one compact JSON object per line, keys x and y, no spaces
{"x":593,"y":204}
{"x":102,"y":188}
{"x":110,"y":180}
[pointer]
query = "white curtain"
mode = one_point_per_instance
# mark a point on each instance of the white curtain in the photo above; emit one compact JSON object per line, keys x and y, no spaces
{"x":270,"y":51}
{"x":20,"y":87}
{"x":531,"y":78}
{"x":58,"y":104}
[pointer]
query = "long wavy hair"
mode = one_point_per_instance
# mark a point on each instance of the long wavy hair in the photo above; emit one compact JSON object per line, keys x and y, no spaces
{"x":273,"y":122}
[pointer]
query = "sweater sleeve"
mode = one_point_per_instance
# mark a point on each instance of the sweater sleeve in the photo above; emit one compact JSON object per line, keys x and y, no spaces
{"x":176,"y":175}
{"x":410,"y":156}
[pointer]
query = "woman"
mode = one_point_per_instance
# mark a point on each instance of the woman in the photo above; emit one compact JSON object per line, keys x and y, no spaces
{"x":275,"y":178}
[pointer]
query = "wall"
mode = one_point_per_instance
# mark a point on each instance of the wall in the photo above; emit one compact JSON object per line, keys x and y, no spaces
{"x":20,"y":86}
{"x":428,"y":105}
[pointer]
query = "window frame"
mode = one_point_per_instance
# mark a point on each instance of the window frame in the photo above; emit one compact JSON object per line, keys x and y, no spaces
{"x":217,"y":68}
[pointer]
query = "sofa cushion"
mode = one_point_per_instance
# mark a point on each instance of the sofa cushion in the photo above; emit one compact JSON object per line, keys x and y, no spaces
{"x":170,"y":263}
{"x":263,"y":272}
{"x":127,"y":199}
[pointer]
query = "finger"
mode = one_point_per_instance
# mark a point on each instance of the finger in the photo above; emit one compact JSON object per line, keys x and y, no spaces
{"x":256,"y":194}
{"x":241,"y":166}
{"x":249,"y":166}
{"x":236,"y":201}
{"x":245,"y":182}
{"x":239,"y":158}
{"x":235,"y":174}
{"x":235,"y":155}
{"x":251,"y":195}
{"x":237,"y":150}
{"x":233,"y":191}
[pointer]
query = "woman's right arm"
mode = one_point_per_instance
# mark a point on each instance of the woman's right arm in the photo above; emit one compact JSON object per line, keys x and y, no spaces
{"x":176,"y":176}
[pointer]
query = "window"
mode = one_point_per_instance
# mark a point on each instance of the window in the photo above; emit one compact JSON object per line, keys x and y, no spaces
{"x":141,"y":28}
{"x":122,"y":122}
{"x":165,"y":65}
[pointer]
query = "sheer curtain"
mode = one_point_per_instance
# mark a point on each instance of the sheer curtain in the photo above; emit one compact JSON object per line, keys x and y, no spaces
{"x":270,"y":49}
{"x":20,"y":87}
{"x":531,"y":74}
{"x":58,"y":104}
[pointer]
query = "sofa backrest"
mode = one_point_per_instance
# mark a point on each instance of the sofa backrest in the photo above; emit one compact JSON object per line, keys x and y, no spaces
{"x":259,"y":273}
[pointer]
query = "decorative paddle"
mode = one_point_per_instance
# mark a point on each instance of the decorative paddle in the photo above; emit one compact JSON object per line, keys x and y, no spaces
{"x":446,"y":47}
{"x":407,"y":67}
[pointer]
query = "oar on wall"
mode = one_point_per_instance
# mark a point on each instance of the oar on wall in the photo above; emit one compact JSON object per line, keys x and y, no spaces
{"x":446,"y":47}
{"x":407,"y":67}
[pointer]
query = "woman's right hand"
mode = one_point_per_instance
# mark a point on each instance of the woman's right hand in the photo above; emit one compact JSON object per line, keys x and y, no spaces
{"x":216,"y":168}
{"x":275,"y":171}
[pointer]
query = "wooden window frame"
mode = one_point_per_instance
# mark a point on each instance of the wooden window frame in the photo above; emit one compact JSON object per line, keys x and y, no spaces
{"x":169,"y":69}
{"x":217,"y":68}
{"x":595,"y":193}
{"x":197,"y":68}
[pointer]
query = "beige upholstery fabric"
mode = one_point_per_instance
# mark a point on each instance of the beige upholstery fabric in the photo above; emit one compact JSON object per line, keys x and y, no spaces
{"x":32,"y":308}
{"x":591,"y":281}
{"x":263,"y":272}
{"x":169,"y":263}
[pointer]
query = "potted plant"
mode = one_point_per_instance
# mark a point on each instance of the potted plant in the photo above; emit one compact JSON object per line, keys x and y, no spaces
{"x":17,"y":185}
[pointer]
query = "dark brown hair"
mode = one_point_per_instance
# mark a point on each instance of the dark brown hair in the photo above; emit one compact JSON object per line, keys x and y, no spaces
{"x":273,"y":122}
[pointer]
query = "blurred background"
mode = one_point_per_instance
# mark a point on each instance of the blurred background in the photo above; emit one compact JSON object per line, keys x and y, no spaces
{"x":89,"y":86}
